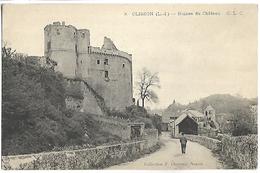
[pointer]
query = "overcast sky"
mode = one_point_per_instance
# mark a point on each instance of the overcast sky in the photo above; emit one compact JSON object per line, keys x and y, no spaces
{"x":195,"y":56}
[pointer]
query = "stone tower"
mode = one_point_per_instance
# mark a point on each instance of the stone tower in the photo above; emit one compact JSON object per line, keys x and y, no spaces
{"x":59,"y":45}
{"x":107,"y":70}
{"x":82,"y":46}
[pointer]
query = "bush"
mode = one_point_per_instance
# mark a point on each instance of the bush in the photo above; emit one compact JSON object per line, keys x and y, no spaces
{"x":33,"y":101}
{"x":137,"y":114}
{"x":157,"y":122}
{"x":34,"y":115}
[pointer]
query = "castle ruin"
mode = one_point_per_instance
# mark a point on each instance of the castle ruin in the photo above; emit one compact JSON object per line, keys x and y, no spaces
{"x":107,"y":70}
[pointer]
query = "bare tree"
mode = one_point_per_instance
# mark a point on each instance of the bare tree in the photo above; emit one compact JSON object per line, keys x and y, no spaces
{"x":145,"y":84}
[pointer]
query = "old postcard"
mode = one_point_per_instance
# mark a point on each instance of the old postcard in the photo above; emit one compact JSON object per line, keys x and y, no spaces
{"x":129,"y":86}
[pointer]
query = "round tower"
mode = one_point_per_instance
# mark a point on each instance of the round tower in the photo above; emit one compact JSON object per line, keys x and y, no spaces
{"x":60,"y":46}
{"x":83,"y":43}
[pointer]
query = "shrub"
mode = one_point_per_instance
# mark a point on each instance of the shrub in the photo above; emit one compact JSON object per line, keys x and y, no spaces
{"x":34,"y":115}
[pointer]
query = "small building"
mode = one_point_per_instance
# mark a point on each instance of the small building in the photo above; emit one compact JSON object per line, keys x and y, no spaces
{"x":165,"y":122}
{"x":198,"y":116}
{"x":165,"y":127}
{"x":166,"y":119}
{"x":210,"y":118}
{"x":194,"y":114}
{"x":184,"y":124}
{"x":210,"y":113}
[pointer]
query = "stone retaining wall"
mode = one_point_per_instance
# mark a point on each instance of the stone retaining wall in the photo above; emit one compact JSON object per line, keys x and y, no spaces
{"x":210,"y":143}
{"x":113,"y":126}
{"x":117,"y":126}
{"x":92,"y":158}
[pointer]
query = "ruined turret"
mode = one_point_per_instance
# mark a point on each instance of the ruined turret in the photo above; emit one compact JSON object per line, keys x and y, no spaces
{"x":108,"y":44}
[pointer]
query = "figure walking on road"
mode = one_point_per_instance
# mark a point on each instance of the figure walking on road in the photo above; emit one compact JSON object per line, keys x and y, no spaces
{"x":183,"y":142}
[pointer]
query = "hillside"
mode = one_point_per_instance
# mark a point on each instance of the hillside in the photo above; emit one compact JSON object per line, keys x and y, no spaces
{"x":173,"y":109}
{"x":34,"y":115}
{"x":222,"y":103}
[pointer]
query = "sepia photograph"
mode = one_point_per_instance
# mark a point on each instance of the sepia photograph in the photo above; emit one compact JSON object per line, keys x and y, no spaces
{"x":129,"y":86}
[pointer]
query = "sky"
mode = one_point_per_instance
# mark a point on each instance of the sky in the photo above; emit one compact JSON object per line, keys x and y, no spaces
{"x":195,"y":55}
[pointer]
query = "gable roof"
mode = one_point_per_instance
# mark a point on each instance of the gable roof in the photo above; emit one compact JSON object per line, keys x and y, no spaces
{"x":195,"y":113}
{"x":191,"y":113}
{"x":209,"y":107}
{"x":182,"y":117}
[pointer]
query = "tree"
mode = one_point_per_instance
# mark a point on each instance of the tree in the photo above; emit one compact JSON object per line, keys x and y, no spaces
{"x":7,"y":52}
{"x":157,"y":121}
{"x":145,"y":84}
{"x":242,"y":122}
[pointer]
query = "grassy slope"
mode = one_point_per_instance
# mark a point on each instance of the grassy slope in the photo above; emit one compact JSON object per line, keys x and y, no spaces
{"x":34,"y":117}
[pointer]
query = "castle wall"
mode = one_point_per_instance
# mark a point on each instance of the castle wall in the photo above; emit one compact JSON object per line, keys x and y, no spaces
{"x":90,"y":103}
{"x":80,"y":98}
{"x":116,"y":89}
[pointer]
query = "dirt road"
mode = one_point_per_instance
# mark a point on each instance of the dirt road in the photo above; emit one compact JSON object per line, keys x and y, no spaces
{"x":169,"y":157}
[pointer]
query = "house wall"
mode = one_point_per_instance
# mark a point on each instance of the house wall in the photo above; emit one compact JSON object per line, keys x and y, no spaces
{"x":188,"y":126}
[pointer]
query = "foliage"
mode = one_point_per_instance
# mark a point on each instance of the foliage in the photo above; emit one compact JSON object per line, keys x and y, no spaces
{"x":32,"y":103}
{"x":147,"y":80}
{"x":139,"y":114}
{"x":74,"y":90}
{"x":157,"y":121}
{"x":243,"y":150}
{"x":242,"y":123}
{"x":134,"y":114}
{"x":34,"y":115}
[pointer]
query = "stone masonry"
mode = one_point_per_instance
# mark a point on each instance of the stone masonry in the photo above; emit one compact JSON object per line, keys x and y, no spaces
{"x":107,"y":70}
